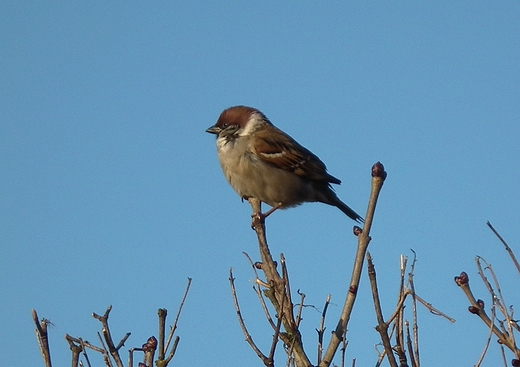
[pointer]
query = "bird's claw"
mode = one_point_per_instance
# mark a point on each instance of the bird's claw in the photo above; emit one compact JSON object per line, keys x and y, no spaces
{"x":258,"y":219}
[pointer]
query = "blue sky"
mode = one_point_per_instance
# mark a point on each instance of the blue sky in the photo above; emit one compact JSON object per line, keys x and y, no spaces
{"x":111,"y":192}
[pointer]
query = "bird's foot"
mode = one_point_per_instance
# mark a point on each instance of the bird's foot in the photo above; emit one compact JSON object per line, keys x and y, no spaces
{"x":259,"y":218}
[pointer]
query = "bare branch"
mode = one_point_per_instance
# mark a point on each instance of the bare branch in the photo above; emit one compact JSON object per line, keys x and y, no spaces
{"x":176,"y":341}
{"x":322,"y":328}
{"x":300,"y":308}
{"x":378,"y":178}
{"x":174,"y":326}
{"x":114,"y":351}
{"x":274,"y":343}
{"x":432,"y":309}
{"x":414,"y":311}
{"x":381,"y":327}
{"x":409,"y":345}
{"x":486,"y":346}
{"x":477,"y":308}
{"x":75,"y":349}
{"x":104,"y":351}
{"x":259,"y":293}
{"x":508,"y":249}
{"x":162,"y":313}
{"x":249,"y":339}
{"x":277,"y":292}
{"x":43,"y":338}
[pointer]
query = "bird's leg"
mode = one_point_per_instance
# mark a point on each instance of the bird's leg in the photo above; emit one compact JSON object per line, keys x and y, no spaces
{"x":271,"y":211}
{"x":258,"y":216}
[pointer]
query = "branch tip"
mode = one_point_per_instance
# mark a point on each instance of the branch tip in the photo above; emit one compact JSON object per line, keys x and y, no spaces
{"x":378,"y":170}
{"x":462,"y":279}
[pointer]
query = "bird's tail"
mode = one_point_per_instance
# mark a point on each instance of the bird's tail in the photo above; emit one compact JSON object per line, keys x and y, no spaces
{"x":328,"y":196}
{"x":349,"y":212}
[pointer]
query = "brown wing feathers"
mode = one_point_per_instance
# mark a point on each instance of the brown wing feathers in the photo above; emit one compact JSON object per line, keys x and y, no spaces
{"x":292,"y":157}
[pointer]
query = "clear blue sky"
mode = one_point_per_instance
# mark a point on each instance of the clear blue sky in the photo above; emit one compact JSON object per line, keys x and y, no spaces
{"x":110,"y":190}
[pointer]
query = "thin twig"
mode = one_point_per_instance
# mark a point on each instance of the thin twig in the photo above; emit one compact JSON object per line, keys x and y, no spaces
{"x":409,"y":345}
{"x":300,"y":308}
{"x":381,"y":327}
{"x":497,"y":299}
{"x":174,"y":326}
{"x":415,"y":326}
{"x":256,"y":288}
{"x":274,"y":342}
{"x":503,"y":352}
{"x":378,"y":178}
{"x":486,"y":346}
{"x":84,"y":343}
{"x":249,"y":339}
{"x":399,"y":310}
{"x":432,"y":309}
{"x":287,"y":297}
{"x":499,"y":302}
{"x":106,"y":355}
{"x":322,"y":328}
{"x":508,"y":249}
{"x":343,"y":350}
{"x":176,"y":341}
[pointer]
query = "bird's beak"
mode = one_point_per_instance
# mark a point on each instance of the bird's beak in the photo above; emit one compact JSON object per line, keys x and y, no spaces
{"x":213,"y":130}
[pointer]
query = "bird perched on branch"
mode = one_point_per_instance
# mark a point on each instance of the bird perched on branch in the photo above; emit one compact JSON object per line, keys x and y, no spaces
{"x":261,"y":161}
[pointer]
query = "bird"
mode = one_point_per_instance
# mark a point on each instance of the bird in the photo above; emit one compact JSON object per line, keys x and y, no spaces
{"x":261,"y":161}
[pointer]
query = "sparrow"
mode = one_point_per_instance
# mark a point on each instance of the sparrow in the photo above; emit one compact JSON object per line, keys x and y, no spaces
{"x":261,"y":161}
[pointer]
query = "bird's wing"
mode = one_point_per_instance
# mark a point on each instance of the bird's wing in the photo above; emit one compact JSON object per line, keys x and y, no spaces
{"x":279,"y":150}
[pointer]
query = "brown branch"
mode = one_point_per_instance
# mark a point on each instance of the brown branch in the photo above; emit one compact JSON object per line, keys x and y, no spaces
{"x":43,"y":338}
{"x":343,"y":350}
{"x":114,"y":351}
{"x":381,"y":327}
{"x":277,"y":292}
{"x":409,"y":345}
{"x":274,"y":342}
{"x":503,"y":353}
{"x":85,"y":344}
{"x":399,"y":310}
{"x":432,"y":309}
{"x":258,"y":292}
{"x":498,"y":301}
{"x":104,"y":351}
{"x":249,"y":339}
{"x":161,"y":314}
{"x":286,"y":296}
{"x":378,"y":178}
{"x":415,"y":326}
{"x":508,"y":249}
{"x":322,"y":328}
{"x":176,"y":341}
{"x":76,"y":349}
{"x":486,"y":346}
{"x":85,"y":355}
{"x":174,"y":326}
{"x":300,"y":308}
{"x":477,"y":308}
